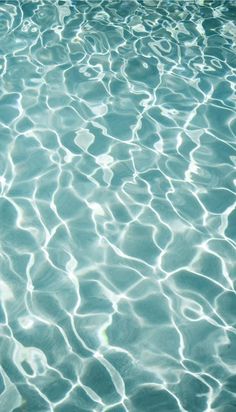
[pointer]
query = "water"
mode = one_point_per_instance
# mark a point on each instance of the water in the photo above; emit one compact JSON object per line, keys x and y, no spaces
{"x":117,"y":208}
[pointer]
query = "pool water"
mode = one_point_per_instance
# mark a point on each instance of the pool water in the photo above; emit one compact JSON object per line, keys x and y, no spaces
{"x":117,"y":207}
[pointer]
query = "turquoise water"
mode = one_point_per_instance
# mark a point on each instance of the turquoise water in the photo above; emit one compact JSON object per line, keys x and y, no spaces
{"x":117,"y":207}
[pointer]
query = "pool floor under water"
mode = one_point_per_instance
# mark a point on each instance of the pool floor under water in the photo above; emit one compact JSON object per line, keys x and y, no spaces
{"x":117,"y":206}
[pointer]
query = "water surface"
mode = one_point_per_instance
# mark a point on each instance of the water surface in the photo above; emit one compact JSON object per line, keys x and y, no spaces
{"x":117,"y":207}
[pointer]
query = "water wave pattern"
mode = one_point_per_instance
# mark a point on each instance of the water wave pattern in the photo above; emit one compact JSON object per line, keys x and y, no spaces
{"x":117,"y":207}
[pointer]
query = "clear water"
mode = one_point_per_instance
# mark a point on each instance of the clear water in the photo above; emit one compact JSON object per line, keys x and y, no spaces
{"x":117,"y":208}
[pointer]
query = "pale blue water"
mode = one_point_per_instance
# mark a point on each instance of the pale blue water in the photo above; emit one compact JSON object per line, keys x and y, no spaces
{"x":117,"y":207}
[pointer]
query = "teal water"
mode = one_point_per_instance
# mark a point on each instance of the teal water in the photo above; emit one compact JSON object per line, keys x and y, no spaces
{"x":117,"y":207}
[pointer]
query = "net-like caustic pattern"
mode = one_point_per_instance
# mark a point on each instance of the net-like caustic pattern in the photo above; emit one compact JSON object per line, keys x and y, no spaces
{"x":117,"y":207}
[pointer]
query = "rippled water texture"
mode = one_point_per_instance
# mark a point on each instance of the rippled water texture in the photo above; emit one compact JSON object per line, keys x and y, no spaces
{"x":117,"y":207}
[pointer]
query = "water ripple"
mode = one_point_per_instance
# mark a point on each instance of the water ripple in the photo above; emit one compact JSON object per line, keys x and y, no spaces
{"x":117,"y":205}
